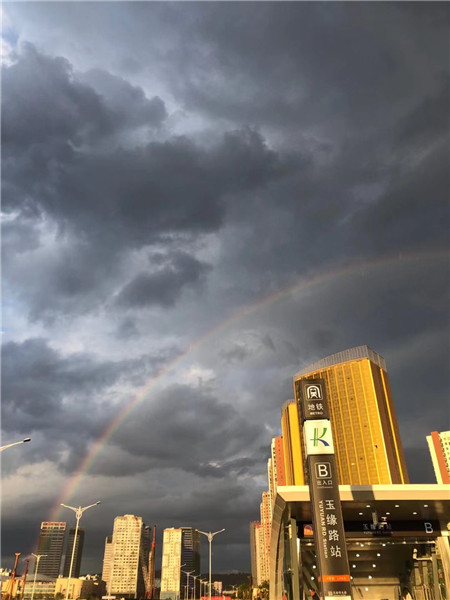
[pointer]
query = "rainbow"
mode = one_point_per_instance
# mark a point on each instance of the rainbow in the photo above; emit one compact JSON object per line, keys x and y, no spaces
{"x":143,"y":393}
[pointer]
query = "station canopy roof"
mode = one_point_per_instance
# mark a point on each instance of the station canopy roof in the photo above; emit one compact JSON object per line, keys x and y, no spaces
{"x":404,"y":503}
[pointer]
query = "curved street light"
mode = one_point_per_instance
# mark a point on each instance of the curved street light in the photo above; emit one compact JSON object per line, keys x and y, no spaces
{"x":36,"y":566}
{"x":210,"y":535}
{"x":195,"y":577}
{"x":15,"y":444}
{"x":187,"y":573}
{"x":78,"y":512}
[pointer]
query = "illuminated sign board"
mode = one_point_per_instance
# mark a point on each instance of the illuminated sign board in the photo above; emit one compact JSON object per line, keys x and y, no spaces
{"x":328,"y":524}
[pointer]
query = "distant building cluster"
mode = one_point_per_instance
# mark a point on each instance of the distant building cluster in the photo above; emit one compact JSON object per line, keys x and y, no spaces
{"x":128,"y":565}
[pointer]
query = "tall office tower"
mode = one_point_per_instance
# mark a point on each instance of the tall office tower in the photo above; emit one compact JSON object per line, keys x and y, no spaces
{"x":439,"y":445}
{"x":107,"y":561}
{"x":51,"y":543}
{"x":181,"y":546}
{"x":365,"y":432}
{"x":78,"y":553}
{"x":129,"y":560}
{"x":292,"y":451}
{"x":190,"y":555}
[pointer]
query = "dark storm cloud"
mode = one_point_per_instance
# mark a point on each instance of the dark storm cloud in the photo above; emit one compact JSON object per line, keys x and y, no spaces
{"x":44,"y":102}
{"x":247,"y":344}
{"x":296,"y":65}
{"x":45,"y":391}
{"x":127,"y":329}
{"x":107,"y":198}
{"x":164,"y":286}
{"x":35,"y":377}
{"x":188,"y":429}
{"x":160,"y":187}
{"x":130,"y":107}
{"x":376,"y":195}
{"x":20,"y":236}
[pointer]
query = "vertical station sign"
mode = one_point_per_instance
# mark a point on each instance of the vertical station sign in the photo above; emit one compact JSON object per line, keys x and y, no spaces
{"x":328,"y":522}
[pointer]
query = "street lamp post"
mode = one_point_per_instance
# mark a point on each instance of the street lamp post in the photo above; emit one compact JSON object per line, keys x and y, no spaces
{"x":78,"y":512}
{"x":187,"y":573}
{"x":195,"y":577}
{"x":14,"y":444}
{"x":36,"y":567}
{"x":210,"y":536}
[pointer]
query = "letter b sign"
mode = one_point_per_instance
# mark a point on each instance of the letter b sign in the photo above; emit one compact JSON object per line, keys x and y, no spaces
{"x":323,"y":470}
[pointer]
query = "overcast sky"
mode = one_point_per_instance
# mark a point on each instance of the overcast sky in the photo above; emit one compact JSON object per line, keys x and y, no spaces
{"x":198,"y":200}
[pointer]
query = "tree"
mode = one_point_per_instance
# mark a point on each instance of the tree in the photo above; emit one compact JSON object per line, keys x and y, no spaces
{"x":264,"y":589}
{"x":244,"y":591}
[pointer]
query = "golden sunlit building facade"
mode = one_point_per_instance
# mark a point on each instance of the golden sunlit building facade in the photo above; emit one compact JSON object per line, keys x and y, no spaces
{"x":365,"y":430}
{"x":292,"y":444}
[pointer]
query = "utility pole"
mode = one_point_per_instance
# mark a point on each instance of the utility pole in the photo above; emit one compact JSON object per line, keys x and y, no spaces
{"x":13,"y":576}
{"x":25,"y":578}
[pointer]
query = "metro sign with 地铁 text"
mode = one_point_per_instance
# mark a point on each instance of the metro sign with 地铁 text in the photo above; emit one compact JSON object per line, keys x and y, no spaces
{"x":328,"y":522}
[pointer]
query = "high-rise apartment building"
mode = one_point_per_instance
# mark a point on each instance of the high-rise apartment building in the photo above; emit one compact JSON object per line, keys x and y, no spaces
{"x":264,"y":534}
{"x":271,"y":483}
{"x":181,"y":546}
{"x":51,"y":543}
{"x":365,"y":430}
{"x":258,"y":554}
{"x":78,"y":552}
{"x":171,"y":563}
{"x":128,"y":557}
{"x":107,"y":561}
{"x":439,"y":445}
{"x":277,"y":458}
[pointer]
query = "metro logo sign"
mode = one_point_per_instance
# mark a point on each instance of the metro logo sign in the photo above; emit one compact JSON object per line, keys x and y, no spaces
{"x":318,"y":437}
{"x":313,"y":403}
{"x":314,"y":391}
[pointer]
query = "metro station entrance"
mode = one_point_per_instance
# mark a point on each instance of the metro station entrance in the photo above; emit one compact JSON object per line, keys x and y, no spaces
{"x":395,"y":539}
{"x":381,"y":570}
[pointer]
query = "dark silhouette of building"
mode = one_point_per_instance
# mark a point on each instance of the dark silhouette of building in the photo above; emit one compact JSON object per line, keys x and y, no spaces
{"x":51,"y":543}
{"x":78,"y":552}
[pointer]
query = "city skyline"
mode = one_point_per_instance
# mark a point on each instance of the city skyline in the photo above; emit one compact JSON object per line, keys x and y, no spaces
{"x":199,"y":200}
